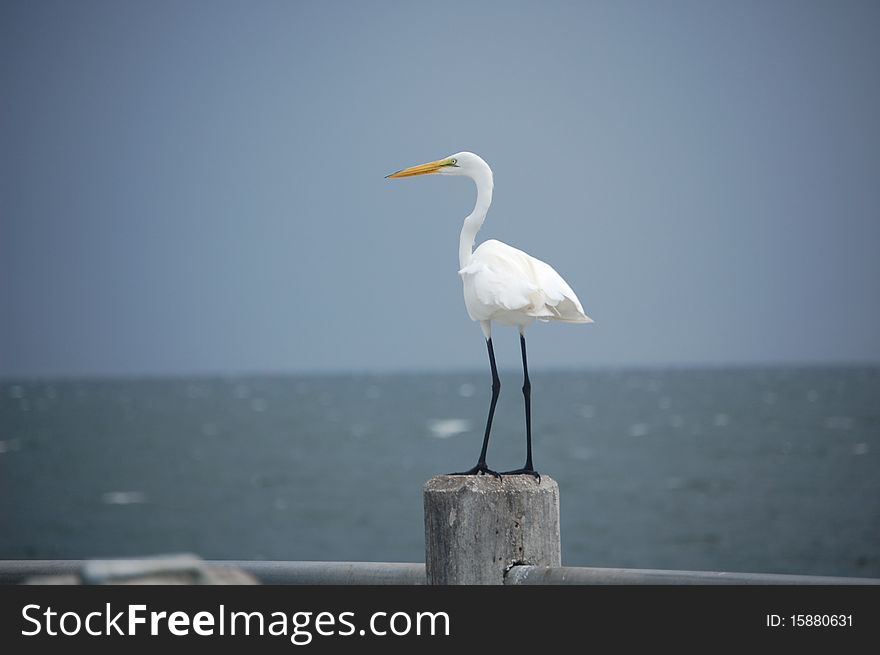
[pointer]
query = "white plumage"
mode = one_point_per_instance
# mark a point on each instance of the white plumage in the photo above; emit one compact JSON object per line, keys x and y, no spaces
{"x":502,"y":284}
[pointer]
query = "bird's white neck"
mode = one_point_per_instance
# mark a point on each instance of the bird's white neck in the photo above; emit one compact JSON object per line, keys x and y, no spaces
{"x":482,"y":177}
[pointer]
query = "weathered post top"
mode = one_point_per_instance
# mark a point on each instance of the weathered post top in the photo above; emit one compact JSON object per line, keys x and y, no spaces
{"x":477,"y":527}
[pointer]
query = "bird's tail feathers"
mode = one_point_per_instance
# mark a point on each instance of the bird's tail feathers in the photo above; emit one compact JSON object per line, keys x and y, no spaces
{"x":566,"y":311}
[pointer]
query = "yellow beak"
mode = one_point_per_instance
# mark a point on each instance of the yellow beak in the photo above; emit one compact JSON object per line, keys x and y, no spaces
{"x":422,"y":169}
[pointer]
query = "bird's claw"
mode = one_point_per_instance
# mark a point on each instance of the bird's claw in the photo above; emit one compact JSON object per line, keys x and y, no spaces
{"x":525,"y":471}
{"x":478,"y":470}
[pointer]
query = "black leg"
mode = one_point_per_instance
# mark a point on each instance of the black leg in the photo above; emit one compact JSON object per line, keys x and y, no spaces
{"x":528,"y":469}
{"x":496,"y":390}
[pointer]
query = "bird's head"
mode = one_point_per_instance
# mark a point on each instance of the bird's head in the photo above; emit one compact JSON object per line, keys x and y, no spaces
{"x":461,"y":163}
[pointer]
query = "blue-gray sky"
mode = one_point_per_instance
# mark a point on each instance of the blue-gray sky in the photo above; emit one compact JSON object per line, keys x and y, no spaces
{"x":198,"y":187}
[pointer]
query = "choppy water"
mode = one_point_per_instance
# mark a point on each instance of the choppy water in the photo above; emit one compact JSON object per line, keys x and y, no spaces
{"x":771,"y":470}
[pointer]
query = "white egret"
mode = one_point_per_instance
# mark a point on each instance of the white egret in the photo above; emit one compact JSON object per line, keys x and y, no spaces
{"x":502,"y":284}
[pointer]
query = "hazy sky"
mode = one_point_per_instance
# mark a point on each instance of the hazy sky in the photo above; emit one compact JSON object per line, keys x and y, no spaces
{"x":198,"y":187}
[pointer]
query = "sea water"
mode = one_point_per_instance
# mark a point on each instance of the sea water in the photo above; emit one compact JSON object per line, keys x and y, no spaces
{"x":764,"y":470}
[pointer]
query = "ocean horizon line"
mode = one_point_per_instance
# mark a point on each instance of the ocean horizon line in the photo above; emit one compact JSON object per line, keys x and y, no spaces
{"x":365,"y":372}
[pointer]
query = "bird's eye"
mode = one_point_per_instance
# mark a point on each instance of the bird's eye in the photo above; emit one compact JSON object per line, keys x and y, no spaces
{"x":453,"y":162}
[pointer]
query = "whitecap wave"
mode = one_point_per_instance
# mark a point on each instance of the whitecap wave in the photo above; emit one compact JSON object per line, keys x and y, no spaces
{"x":443,"y":428}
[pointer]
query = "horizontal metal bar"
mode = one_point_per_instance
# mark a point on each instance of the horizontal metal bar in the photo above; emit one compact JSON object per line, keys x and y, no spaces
{"x":332,"y":573}
{"x":274,"y":572}
{"x":391,"y":573}
{"x":577,"y":575}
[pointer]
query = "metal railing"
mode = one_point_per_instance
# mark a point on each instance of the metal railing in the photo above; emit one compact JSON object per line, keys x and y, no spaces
{"x":585,"y":575}
{"x":395,"y":573}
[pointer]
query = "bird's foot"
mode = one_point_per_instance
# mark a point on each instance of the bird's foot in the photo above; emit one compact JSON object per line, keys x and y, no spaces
{"x":525,"y":471}
{"x":479,"y":469}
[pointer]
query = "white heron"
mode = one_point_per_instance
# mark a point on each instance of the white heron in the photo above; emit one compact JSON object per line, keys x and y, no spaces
{"x":502,"y":284}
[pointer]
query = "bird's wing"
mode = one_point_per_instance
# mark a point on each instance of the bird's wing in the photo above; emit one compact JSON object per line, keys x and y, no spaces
{"x":500,"y":278}
{"x":510,"y":279}
{"x":560,"y":299}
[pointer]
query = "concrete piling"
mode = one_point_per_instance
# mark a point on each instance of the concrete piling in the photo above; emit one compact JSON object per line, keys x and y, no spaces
{"x":478,"y":527}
